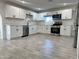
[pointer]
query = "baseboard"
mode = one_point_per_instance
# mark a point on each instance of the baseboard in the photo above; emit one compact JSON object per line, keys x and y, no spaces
{"x":16,"y":38}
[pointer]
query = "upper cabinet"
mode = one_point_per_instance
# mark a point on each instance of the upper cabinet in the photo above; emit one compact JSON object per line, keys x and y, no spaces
{"x":15,"y":12}
{"x":22,"y":13}
{"x":12,"y":11}
{"x":67,"y":14}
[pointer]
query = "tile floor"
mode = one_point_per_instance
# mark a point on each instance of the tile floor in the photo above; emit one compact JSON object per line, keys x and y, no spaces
{"x":39,"y":46}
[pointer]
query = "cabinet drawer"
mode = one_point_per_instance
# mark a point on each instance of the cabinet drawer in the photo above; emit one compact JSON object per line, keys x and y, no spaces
{"x":16,"y":31}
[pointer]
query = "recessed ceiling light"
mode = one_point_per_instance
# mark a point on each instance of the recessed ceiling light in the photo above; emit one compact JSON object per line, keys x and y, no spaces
{"x":65,"y":4}
{"x":24,"y":2}
{"x":39,"y":8}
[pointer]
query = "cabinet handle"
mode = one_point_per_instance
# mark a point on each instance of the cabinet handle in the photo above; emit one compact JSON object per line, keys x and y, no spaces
{"x":17,"y":30}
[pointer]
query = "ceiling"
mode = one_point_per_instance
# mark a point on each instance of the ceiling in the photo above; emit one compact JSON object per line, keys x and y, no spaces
{"x":39,"y":5}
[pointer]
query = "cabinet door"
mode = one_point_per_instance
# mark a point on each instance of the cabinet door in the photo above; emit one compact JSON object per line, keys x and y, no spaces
{"x":46,"y":29}
{"x":67,"y":14}
{"x":8,"y":32}
{"x":40,"y":29}
{"x":13,"y":32}
{"x":12,"y":11}
{"x":32,"y":29}
{"x":16,"y":31}
{"x":22,"y":13}
{"x":65,"y":30}
{"x":19,"y":31}
{"x":62,"y":30}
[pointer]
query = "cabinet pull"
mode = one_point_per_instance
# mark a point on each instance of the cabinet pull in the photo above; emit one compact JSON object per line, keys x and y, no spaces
{"x":17,"y":30}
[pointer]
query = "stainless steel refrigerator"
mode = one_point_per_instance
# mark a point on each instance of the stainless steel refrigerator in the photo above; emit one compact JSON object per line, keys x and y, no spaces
{"x":25,"y":30}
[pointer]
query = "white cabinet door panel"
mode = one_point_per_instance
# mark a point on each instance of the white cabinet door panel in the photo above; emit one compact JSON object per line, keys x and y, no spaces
{"x":47,"y":29}
{"x":41,"y":30}
{"x":22,"y":13}
{"x":13,"y":32}
{"x":32,"y":29}
{"x":67,"y":14}
{"x":12,"y":11}
{"x":16,"y":31}
{"x":65,"y":30}
{"x":19,"y":30}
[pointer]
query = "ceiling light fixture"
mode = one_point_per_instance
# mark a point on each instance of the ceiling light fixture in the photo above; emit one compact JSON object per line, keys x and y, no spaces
{"x":39,"y":8}
{"x":65,"y":4}
{"x":24,"y":2}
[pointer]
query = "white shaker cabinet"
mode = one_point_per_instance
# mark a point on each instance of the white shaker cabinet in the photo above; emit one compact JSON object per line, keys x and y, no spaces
{"x":13,"y":31}
{"x":65,"y":30}
{"x":46,"y":29}
{"x":40,"y":29}
{"x":22,"y":13}
{"x":67,"y":14}
{"x":32,"y":29}
{"x":12,"y":11}
{"x":15,"y":12}
{"x":16,"y":31}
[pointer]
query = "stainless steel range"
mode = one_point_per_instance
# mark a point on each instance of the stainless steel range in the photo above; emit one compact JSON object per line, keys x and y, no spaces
{"x":55,"y":28}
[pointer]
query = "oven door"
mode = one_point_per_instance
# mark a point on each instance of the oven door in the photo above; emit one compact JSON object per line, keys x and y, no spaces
{"x":55,"y":30}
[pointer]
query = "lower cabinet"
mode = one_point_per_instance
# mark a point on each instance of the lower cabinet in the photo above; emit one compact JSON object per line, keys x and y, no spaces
{"x":13,"y":31}
{"x":39,"y":29}
{"x":16,"y":31}
{"x":47,"y":29}
{"x":44,"y":29}
{"x":65,"y":30}
{"x":33,"y":29}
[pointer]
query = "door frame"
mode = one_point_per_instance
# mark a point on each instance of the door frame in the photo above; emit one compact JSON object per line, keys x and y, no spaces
{"x":76,"y":27}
